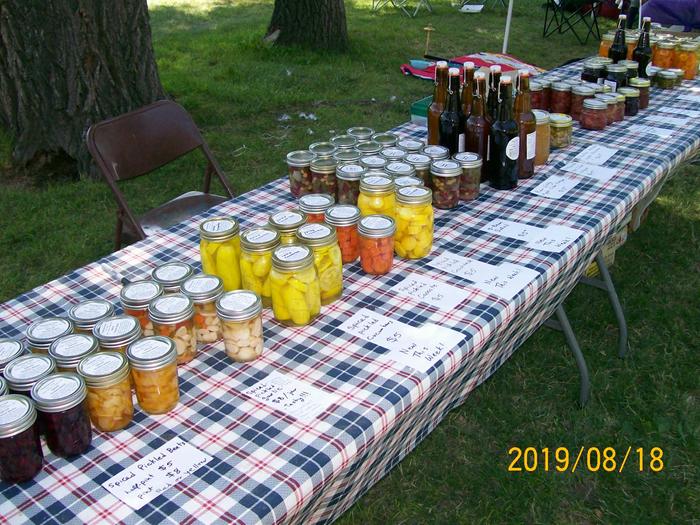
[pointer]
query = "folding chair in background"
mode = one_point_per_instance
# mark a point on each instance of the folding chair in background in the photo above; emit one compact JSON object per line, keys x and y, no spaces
{"x":402,"y":5}
{"x":564,"y":15}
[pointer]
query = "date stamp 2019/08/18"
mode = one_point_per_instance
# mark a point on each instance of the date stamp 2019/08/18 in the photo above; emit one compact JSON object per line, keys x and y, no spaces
{"x":592,"y":459}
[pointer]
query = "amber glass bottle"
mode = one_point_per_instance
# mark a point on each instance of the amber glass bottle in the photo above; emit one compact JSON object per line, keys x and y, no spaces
{"x":526,"y":128}
{"x":478,"y":127}
{"x":468,"y":89}
{"x":438,"y":104}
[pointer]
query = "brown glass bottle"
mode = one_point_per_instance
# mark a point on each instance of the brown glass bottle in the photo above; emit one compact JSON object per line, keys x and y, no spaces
{"x":477,"y":126}
{"x":526,"y":127}
{"x":504,"y":148}
{"x":618,"y":49}
{"x":438,"y":104}
{"x":492,"y":99}
{"x":642,"y":53}
{"x":468,"y":89}
{"x":452,"y":119}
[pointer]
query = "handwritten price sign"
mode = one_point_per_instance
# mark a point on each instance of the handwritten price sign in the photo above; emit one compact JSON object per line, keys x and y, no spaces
{"x":431,"y":291}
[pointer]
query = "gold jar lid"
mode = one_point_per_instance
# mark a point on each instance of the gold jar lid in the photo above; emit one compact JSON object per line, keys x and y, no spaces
{"x":639,"y":82}
{"x":560,"y":120}
{"x":628,"y":92}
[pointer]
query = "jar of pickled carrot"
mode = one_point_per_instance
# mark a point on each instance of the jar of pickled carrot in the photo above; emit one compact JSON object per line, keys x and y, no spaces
{"x":257,"y":246}
{"x":322,"y":240}
{"x":173,"y":317}
{"x":377,"y":195}
{"x":204,"y":290}
{"x":663,"y":54}
{"x":135,"y":297}
{"x":286,"y":223}
{"x":344,"y":218}
{"x":296,"y":291}
{"x":687,"y":60}
{"x":315,"y":205}
{"x":414,"y":221}
{"x":220,"y":249}
{"x":605,"y":43}
{"x":377,"y":243}
{"x":171,"y":275}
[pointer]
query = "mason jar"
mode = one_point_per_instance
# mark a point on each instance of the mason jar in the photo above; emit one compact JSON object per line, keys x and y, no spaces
{"x":373,"y":163}
{"x":22,"y":373}
{"x":369,"y":148}
{"x":377,"y":243}
{"x":344,"y":218}
{"x":220,"y":250}
{"x":344,"y":142}
{"x":85,"y":315}
{"x":322,"y":240}
{"x":385,"y":139}
{"x":561,"y":129}
{"x":362,"y":134}
{"x":471,"y":174}
{"x":436,"y":152}
{"x":407,"y":180}
{"x":323,"y":150}
{"x":299,"y":168}
{"x":135,"y":297}
{"x":296,"y":291}
{"x":377,"y":195}
{"x":421,"y":163}
{"x":204,"y":290}
{"x":173,"y":316}
{"x":411,"y":145}
{"x":10,"y":349}
{"x":346,"y":156}
{"x":117,"y":333}
{"x":43,"y":332}
{"x":153,"y":362}
{"x":241,"y":317}
{"x":67,"y":351}
{"x":3,"y":386}
{"x":21,"y":456}
{"x":323,"y":179}
{"x":315,"y":205}
{"x":393,"y":154}
{"x":286,"y":223}
{"x":414,"y":222}
{"x":446,"y":175}
{"x":172,"y":274}
{"x":349,"y":176}
{"x":257,"y":246}
{"x":400,"y":169}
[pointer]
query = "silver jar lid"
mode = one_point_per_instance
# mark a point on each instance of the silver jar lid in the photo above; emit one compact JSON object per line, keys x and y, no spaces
{"x":324,"y":165}
{"x":152,"y":353}
{"x":350,"y":172}
{"x":414,"y":195}
{"x":541,"y":116}
{"x":594,"y":103}
{"x":583,"y":91}
{"x":17,"y":414}
{"x":315,"y":202}
{"x":629,"y":64}
{"x":292,"y":257}
{"x":616,"y":68}
{"x":374,"y":162}
{"x":411,"y":145}
{"x":316,"y":234}
{"x":385,"y":139}
{"x":346,"y":156}
{"x":239,"y":305}
{"x":3,"y":386}
{"x":445,"y":168}
{"x":43,"y":332}
{"x":398,"y":169}
{"x":344,"y":141}
{"x":376,"y":226}
{"x":407,"y":180}
{"x":218,"y":229}
{"x":103,"y":369}
{"x":171,"y":275}
{"x":377,"y":184}
{"x":117,"y":331}
{"x":59,"y":392}
{"x":361,"y":133}
{"x":10,"y":349}
{"x":23,"y":372}
{"x":628,"y":92}
{"x":300,"y":158}
{"x":260,"y":239}
{"x":342,"y":215}
{"x":323,"y":150}
{"x":436,"y":152}
{"x":468,"y":159}
{"x":287,"y":221}
{"x":171,"y":308}
{"x":203,"y":288}
{"x":138,"y":294}
{"x":393,"y":153}
{"x":86,"y":314}
{"x":68,"y":350}
{"x":607,"y":98}
{"x":369,"y":147}
{"x":418,"y":160}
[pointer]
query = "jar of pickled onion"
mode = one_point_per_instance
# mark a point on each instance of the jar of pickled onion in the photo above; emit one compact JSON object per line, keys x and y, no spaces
{"x":173,"y":317}
{"x":204,"y":290}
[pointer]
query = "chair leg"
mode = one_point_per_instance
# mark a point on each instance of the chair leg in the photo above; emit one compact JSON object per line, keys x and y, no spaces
{"x":623,"y":343}
{"x":118,"y":232}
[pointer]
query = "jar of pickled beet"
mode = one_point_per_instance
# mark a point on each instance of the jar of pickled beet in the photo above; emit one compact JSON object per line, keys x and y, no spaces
{"x":172,"y":274}
{"x":542,"y":137}
{"x":374,"y":163}
{"x":135,"y":297}
{"x":346,"y":156}
{"x":594,"y":115}
{"x":414,"y":222}
{"x":315,"y":205}
{"x":393,"y":154}
{"x":421,"y":163}
{"x":299,"y":168}
{"x":344,"y":142}
{"x":665,"y":79}
{"x":470,"y":179}
{"x":344,"y":218}
{"x":407,"y":180}
{"x":592,"y":70}
{"x":85,"y":315}
{"x":369,"y":148}
{"x":536,"y":95}
{"x":386,"y":139}
{"x":561,"y":97}
{"x":578,"y":95}
{"x":257,"y":246}
{"x":43,"y":332}
{"x":663,"y":54}
{"x":21,"y":456}
{"x":10,"y":349}
{"x":22,"y":373}
{"x":60,"y":400}
{"x":328,"y":260}
{"x":241,"y":316}
{"x":296,"y":291}
{"x":611,"y":104}
{"x":642,"y":85}
{"x":117,"y":333}
{"x":108,"y":380}
{"x":323,"y":176}
{"x":560,"y":130}
{"x":445,"y":177}
{"x":362,"y":134}
{"x":323,"y":150}
{"x":376,"y":243}
{"x":349,"y":176}
{"x":67,"y":351}
{"x":153,"y":362}
{"x":411,"y":145}
{"x":400,"y":169}
{"x":173,"y":317}
{"x":377,"y":195}
{"x":616,"y":76}
{"x":286,"y":223}
{"x":204,"y":290}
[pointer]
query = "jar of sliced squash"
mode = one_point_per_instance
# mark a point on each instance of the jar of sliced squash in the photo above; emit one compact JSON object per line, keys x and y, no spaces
{"x":296,"y":291}
{"x":153,"y":362}
{"x":220,"y":249}
{"x":204,"y":290}
{"x":256,"y":261}
{"x":322,"y":240}
{"x":173,"y":316}
{"x":286,"y":223}
{"x":414,"y":222}
{"x":377,"y":195}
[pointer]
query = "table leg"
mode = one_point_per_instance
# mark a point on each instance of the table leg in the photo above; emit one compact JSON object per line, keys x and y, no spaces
{"x":615,"y":303}
{"x":578,"y":355}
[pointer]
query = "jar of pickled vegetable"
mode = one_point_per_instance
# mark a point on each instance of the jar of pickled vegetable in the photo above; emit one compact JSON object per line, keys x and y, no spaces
{"x":542,"y":137}
{"x":436,"y":152}
{"x":560,"y":130}
{"x":400,"y":169}
{"x":349,"y":176}
{"x":678,"y":80}
{"x":374,"y":163}
{"x":344,"y":219}
{"x":642,"y":85}
{"x":369,"y":148}
{"x":85,"y":315}
{"x":171,"y":275}
{"x":173,"y":316}
{"x":414,"y":222}
{"x":323,"y":150}
{"x":536,"y":95}
{"x":594,"y":115}
{"x":43,"y":332}
{"x":592,"y":70}
{"x":220,"y":249}
{"x":241,"y":317}
{"x":322,"y":240}
{"x":286,"y":223}
{"x":663,"y":54}
{"x":421,"y":163}
{"x":377,"y":243}
{"x":344,"y":142}
{"x":67,"y":351}
{"x":60,"y":402}
{"x":631,"y":101}
{"x":411,"y":145}
{"x":386,"y":140}
{"x":20,"y":448}
{"x":107,"y":376}
{"x":445,"y":176}
{"x":470,"y":179}
{"x":362,"y":134}
{"x":610,"y":104}
{"x":204,"y":290}
{"x":665,"y":79}
{"x":296,"y":291}
{"x":153,"y":362}
{"x":546,"y":92}
{"x":23,"y":373}
{"x":377,"y":195}
{"x":393,"y":154}
{"x":117,"y":333}
{"x":323,"y":176}
{"x":605,"y":43}
{"x":135,"y":297}
{"x":299,"y":168}
{"x":10,"y":349}
{"x":578,"y":95}
{"x":407,"y":180}
{"x":346,"y":156}
{"x":257,"y":246}
{"x":561,"y":97}
{"x":616,"y":76}
{"x":315,"y":206}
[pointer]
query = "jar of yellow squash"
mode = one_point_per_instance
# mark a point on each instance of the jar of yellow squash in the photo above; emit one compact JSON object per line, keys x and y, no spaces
{"x":377,"y":196}
{"x":220,"y":249}
{"x":204,"y":290}
{"x":296,"y":291}
{"x":153,"y":362}
{"x":286,"y":223}
{"x":328,"y":260}
{"x":414,"y":222}
{"x":256,"y":261}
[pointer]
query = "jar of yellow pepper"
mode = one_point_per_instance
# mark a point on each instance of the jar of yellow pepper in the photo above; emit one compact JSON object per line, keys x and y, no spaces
{"x":296,"y":291}
{"x":322,"y":240}
{"x":220,"y":249}
{"x":377,"y":196}
{"x":286,"y":223}
{"x":414,"y":222}
{"x":256,"y":261}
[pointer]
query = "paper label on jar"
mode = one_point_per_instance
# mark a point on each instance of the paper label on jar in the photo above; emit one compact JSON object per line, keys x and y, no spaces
{"x":466,"y":156}
{"x":201,"y":284}
{"x":72,"y":345}
{"x":531,"y":144}
{"x":218,"y":225}
{"x":141,"y":291}
{"x":434,"y":150}
{"x":315,"y":200}
{"x":513,"y":148}
{"x":401,"y":167}
{"x":292,"y":253}
{"x":91,"y":310}
{"x":172,"y":305}
{"x":342,"y":212}
{"x":117,"y":327}
{"x":149,"y":348}
{"x":100,"y":364}
{"x":611,"y":83}
{"x":373,"y":161}
{"x":314,"y":231}
{"x":417,"y":158}
{"x":11,"y":410}
{"x":260,"y":236}
{"x":446,"y":164}
{"x":29,"y":368}
{"x":50,"y":328}
{"x":8,"y":349}
{"x":58,"y":388}
{"x":171,"y":272}
{"x":286,"y":217}
{"x":238,"y":302}
{"x":351,"y":168}
{"x":376,"y":180}
{"x":462,"y":142}
{"x":376,"y":223}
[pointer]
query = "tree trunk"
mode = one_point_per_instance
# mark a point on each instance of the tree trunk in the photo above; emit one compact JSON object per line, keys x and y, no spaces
{"x":65,"y":64}
{"x":312,"y":23}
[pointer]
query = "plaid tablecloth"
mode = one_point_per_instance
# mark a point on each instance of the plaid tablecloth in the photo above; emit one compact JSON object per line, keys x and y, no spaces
{"x":271,"y":468}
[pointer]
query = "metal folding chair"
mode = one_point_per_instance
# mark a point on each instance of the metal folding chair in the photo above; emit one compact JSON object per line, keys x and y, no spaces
{"x":493,"y":2}
{"x":558,"y":20}
{"x":402,"y":5}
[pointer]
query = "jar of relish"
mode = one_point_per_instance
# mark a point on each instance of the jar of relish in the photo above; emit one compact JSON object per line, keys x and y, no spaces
{"x":578,"y":95}
{"x":135,"y":297}
{"x":373,"y":163}
{"x":21,"y":456}
{"x":173,"y":317}
{"x":286,"y":223}
{"x":594,"y":114}
{"x":349,"y":176}
{"x":377,"y":195}
{"x":470,"y":179}
{"x":344,"y":218}
{"x":345,"y":156}
{"x":400,"y":169}
{"x":23,"y":373}
{"x":393,"y":154}
{"x":386,"y":140}
{"x":421,"y":163}
{"x":642,"y":85}
{"x":213,"y":234}
{"x":323,"y":178}
{"x":204,"y":290}
{"x":10,"y":349}
{"x":561,"y":97}
{"x":296,"y":291}
{"x":414,"y":222}
{"x":153,"y":362}
{"x":299,"y":168}
{"x":679,"y":76}
{"x":631,"y":100}
{"x":446,"y":175}
{"x":85,"y":315}
{"x":257,"y":246}
{"x":106,"y":375}
{"x":377,"y":243}
{"x":323,"y":150}
{"x":67,"y":351}
{"x":369,"y":148}
{"x":665,"y":79}
{"x":328,"y":260}
{"x":118,"y":332}
{"x":561,"y":130}
{"x":43,"y":332}
{"x":362,"y":134}
{"x":315,"y":205}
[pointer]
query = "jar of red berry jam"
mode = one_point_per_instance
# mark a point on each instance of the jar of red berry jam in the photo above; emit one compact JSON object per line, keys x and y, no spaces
{"x":22,"y":373}
{"x":20,"y":449}
{"x":561,"y":97}
{"x":578,"y":95}
{"x":10,"y":349}
{"x":619,"y":107}
{"x":592,"y":69}
{"x":611,"y":105}
{"x":642,"y":85}
{"x":546,"y":93}
{"x":594,"y":114}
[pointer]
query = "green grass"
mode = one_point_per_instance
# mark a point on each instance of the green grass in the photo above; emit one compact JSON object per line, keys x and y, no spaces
{"x":211,"y":60}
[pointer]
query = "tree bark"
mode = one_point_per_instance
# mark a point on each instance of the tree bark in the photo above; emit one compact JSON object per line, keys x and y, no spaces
{"x":317,"y":24}
{"x":65,"y":64}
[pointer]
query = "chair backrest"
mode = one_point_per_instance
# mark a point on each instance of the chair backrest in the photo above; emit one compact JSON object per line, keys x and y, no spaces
{"x":142,"y":140}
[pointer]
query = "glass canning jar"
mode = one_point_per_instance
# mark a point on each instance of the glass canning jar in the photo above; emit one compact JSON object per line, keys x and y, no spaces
{"x":421,"y":163}
{"x":393,"y":154}
{"x":619,"y":106}
{"x":344,"y":217}
{"x":349,"y":176}
{"x":286,"y":223}
{"x":204,"y":290}
{"x":296,"y":291}
{"x":153,"y":362}
{"x":537,"y":95}
{"x":173,"y":316}
{"x":241,"y":317}
{"x":135,"y":297}
{"x":377,"y":195}
{"x":118,"y":332}
{"x":411,"y":145}
{"x":361,"y":133}
{"x":220,"y":249}
{"x":10,"y":349}
{"x":43,"y":332}
{"x":385,"y":139}
{"x":414,"y":222}
{"x":369,"y":148}
{"x":631,"y":39}
{"x":377,"y":243}
{"x":323,"y":150}
{"x":652,"y":71}
{"x":172,"y":274}
{"x":605,"y":43}
{"x":344,"y":142}
{"x":106,"y":375}
{"x":445,"y":176}
{"x":67,"y":351}
{"x":642,"y":85}
{"x":346,"y":156}
{"x":616,"y":76}
{"x":314,"y":205}
{"x":631,"y":101}
{"x":60,"y":402}
{"x":328,"y":260}
{"x":560,"y":130}
{"x":373,"y":163}
{"x":436,"y":152}
{"x":663,"y":54}
{"x":611,"y":105}
{"x":470,"y":179}
{"x":592,"y":70}
{"x":679,"y":76}
{"x":85,"y":315}
{"x":21,"y":456}
{"x":299,"y":168}
{"x":407,"y":180}
{"x":400,"y":169}
{"x":542,"y":138}
{"x":22,"y":373}
{"x":665,"y":79}
{"x":631,"y":70}
{"x":594,"y":115}
{"x":257,"y":246}
{"x":323,"y":179}
{"x":561,"y":97}
{"x":578,"y":95}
